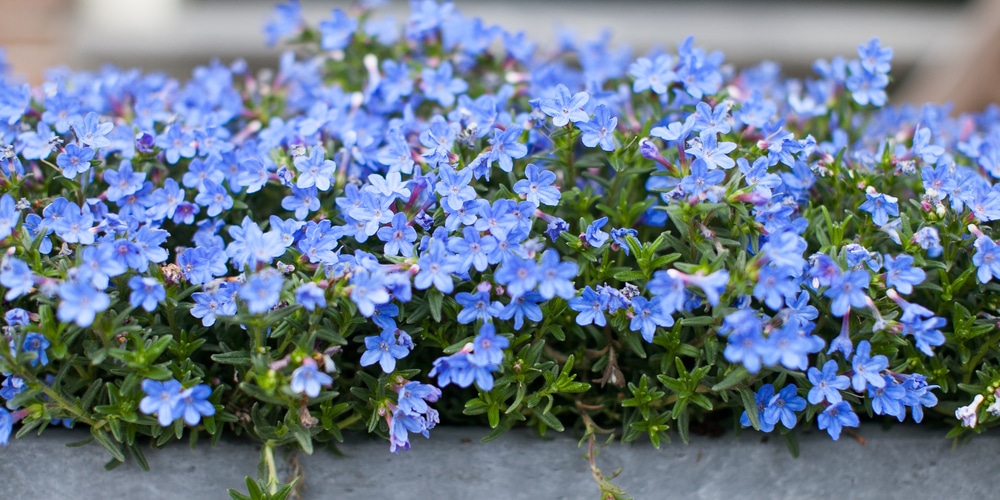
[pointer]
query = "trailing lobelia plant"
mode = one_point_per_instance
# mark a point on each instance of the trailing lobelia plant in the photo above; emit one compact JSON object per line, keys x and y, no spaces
{"x":397,"y":229}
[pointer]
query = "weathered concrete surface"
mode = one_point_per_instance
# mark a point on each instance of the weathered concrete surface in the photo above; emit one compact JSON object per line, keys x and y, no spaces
{"x":905,"y":462}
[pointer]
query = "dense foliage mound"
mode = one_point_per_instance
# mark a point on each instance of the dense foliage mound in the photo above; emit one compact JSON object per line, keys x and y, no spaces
{"x":395,"y":229}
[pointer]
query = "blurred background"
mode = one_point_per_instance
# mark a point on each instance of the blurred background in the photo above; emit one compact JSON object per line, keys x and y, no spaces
{"x":945,"y":50}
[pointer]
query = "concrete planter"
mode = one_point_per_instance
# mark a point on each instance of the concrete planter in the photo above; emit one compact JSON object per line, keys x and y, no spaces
{"x":903,"y":462}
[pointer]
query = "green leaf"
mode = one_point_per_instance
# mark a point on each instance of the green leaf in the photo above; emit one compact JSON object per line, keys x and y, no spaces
{"x":734,"y":377}
{"x":630,"y":276}
{"x":259,"y":393}
{"x":551,"y":421}
{"x":750,"y":405}
{"x":683,"y":425}
{"x":113,"y":448}
{"x":235,"y":358}
{"x":792,"y":442}
{"x":435,"y":301}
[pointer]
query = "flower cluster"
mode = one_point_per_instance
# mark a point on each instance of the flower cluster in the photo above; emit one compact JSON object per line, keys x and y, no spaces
{"x":450,"y":203}
{"x":171,"y":402}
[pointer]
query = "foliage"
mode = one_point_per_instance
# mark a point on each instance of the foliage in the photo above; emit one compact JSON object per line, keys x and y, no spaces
{"x":452,"y":225}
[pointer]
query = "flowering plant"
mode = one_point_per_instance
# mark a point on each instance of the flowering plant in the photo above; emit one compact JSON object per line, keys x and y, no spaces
{"x":394,"y":230}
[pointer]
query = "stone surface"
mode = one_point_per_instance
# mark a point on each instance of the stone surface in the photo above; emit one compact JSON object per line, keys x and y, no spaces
{"x":904,"y":462}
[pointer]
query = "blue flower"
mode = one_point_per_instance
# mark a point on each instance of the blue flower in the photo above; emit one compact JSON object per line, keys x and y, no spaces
{"x":847,"y":290}
{"x":74,"y":160}
{"x":653,"y":75}
{"x":460,"y":369}
{"x":454,"y":186}
{"x":16,"y":316}
{"x":523,"y":306}
{"x":488,"y":347}
{"x":874,"y":57}
{"x":440,"y":85}
{"x":782,"y":407}
{"x":590,"y":305}
{"x":216,"y":302}
{"x":16,"y":276}
{"x":6,"y":426}
{"x":675,"y":133}
{"x":314,"y":170}
{"x":900,"y":273}
{"x":161,"y":398}
{"x":76,"y":226}
{"x":301,"y":201}
{"x":374,"y":210}
{"x":80,"y":303}
{"x":11,"y":386}
{"x":308,"y":380}
{"x":336,"y":33}
{"x":647,"y":316}
{"x":9,"y":216}
{"x":774,"y":286}
{"x":867,"y":368}
{"x":438,"y":138}
{"x":712,"y":120}
{"x":555,"y":277}
{"x":518,"y":275}
{"x":192,"y":404}
{"x":473,"y":248}
{"x":199,"y":265}
{"x":715,"y":154}
{"x":925,"y":332}
{"x":836,"y":417}
{"x":215,"y":197}
{"x":565,"y":107}
{"x":619,"y":237}
{"x":286,"y":21}
{"x":593,"y":235}
{"x":201,"y":171}
{"x":176,"y":143}
{"x":537,"y":186}
{"x":701,"y":179}
{"x":600,"y":130}
{"x":986,"y":259}
{"x":384,"y":350}
{"x":92,"y":133}
{"x":413,"y":397}
{"x":262,"y":290}
{"x":477,"y":307}
{"x":888,"y":399}
{"x":827,"y":384}
{"x":746,"y":343}
{"x":713,"y":285}
{"x":310,"y":296}
{"x":398,"y":236}
{"x":763,"y":399}
{"x":367,"y":291}
{"x":506,"y":148}
{"x":881,"y":206}
{"x":146,"y":292}
{"x":391,"y":186}
{"x":918,"y":395}
{"x":929,"y":153}
{"x":400,"y":425}
{"x":36,"y":343}
{"x":435,"y":269}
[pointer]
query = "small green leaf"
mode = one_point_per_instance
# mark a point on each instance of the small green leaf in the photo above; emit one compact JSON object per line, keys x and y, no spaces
{"x":551,"y":421}
{"x":750,"y":405}
{"x":435,"y":301}
{"x":734,"y":377}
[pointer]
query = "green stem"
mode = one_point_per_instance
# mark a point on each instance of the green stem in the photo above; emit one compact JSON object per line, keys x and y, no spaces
{"x":53,"y":394}
{"x":974,"y":362}
{"x":272,"y":469}
{"x":348,"y":421}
